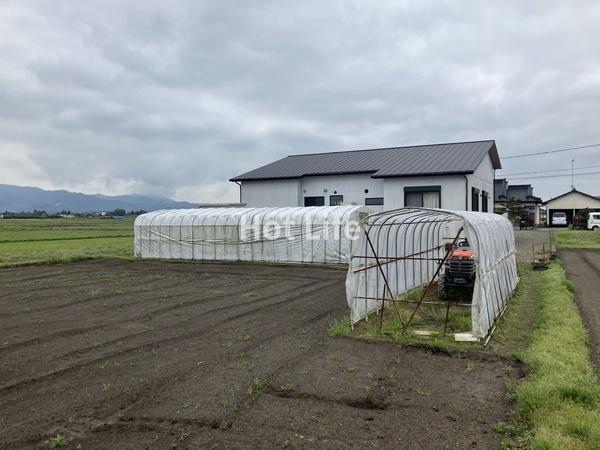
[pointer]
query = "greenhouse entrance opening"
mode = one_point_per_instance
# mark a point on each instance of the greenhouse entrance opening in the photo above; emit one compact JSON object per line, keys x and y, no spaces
{"x":408,"y":263}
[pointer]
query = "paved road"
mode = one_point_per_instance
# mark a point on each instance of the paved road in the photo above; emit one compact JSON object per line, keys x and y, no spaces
{"x":583,"y":268}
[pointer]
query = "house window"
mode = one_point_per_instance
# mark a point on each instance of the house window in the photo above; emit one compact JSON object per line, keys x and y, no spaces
{"x":336,"y":200}
{"x":314,"y":201}
{"x":374,"y":201}
{"x":474,"y":199}
{"x":484,"y":201}
{"x":423,"y":196}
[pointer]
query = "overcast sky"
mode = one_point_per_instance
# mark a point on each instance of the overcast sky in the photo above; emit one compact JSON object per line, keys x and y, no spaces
{"x":173,"y":98}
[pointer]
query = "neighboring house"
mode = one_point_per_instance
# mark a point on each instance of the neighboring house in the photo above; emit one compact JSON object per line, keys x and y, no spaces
{"x":571,"y":202}
{"x":457,"y":176}
{"x":522,"y":193}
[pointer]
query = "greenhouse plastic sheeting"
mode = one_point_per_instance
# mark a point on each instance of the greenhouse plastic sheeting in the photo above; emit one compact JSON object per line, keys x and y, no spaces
{"x":418,"y":235}
{"x":289,"y":235}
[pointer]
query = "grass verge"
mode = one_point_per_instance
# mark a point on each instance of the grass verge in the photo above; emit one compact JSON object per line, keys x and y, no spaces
{"x":515,"y":329}
{"x":561,"y":399}
{"x":578,"y":239}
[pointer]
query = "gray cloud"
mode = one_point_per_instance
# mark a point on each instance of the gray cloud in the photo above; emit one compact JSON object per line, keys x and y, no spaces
{"x":173,"y":99}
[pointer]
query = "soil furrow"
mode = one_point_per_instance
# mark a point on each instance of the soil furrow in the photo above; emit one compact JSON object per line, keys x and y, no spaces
{"x":65,"y":370}
{"x":239,"y":356}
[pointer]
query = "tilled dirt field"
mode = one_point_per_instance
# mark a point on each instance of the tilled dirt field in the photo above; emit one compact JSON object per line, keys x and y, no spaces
{"x":583,"y":268}
{"x":116,"y":354}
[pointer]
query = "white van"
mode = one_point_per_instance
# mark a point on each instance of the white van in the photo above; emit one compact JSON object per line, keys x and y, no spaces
{"x":559,"y":219}
{"x":594,"y":221}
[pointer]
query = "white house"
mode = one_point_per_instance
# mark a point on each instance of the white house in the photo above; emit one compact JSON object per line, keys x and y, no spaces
{"x":457,"y":176}
{"x":571,"y":202}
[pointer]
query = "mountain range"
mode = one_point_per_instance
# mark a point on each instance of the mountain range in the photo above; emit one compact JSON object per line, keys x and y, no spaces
{"x":26,"y":199}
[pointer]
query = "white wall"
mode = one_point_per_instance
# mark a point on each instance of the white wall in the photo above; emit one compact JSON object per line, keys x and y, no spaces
{"x":573,"y":200}
{"x":352,"y":187}
{"x":483,"y":179}
{"x":271,"y":193}
{"x":452,"y":190}
{"x":292,"y":192}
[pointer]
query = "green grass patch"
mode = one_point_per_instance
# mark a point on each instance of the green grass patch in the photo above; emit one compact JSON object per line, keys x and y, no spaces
{"x":58,"y":441}
{"x":258,"y":385}
{"x":340,"y":327}
{"x":578,"y":239}
{"x":51,"y":241}
{"x":428,"y":318}
{"x":561,"y":400}
{"x":425,"y":392}
{"x":287,"y":388}
{"x":515,"y":329}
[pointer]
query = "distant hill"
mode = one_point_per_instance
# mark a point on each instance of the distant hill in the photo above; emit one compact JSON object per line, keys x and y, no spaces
{"x":23,"y":198}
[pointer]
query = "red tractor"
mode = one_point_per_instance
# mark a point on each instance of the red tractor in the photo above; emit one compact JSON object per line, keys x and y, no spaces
{"x":459,"y":269}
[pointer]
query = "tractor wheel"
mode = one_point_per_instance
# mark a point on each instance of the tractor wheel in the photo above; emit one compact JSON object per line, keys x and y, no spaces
{"x":442,"y":287}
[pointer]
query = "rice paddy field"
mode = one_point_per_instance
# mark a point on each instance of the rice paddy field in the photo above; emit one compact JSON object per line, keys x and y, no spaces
{"x":36,"y":241}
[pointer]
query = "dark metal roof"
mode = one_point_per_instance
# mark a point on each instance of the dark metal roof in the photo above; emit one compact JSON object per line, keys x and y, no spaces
{"x":500,"y":186}
{"x":419,"y":160}
{"x":520,"y":192}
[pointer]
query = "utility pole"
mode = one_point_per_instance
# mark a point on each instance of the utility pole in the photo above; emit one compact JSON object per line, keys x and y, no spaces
{"x":572,"y":177}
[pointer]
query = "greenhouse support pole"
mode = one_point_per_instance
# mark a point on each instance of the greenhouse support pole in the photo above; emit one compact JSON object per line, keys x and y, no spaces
{"x":432,"y":280}
{"x":386,"y":285}
{"x":446,"y":318}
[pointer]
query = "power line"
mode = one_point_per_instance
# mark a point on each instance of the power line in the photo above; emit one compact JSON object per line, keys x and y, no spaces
{"x":548,"y":171}
{"x":554,"y":176}
{"x":551,"y":151}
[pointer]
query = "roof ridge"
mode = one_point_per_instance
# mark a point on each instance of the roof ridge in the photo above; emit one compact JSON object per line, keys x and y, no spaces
{"x":410,"y":160}
{"x":570,"y":192}
{"x":390,"y":148}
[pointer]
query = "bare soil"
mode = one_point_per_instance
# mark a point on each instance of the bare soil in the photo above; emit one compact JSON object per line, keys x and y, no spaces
{"x":583,"y":269}
{"x":116,"y":354}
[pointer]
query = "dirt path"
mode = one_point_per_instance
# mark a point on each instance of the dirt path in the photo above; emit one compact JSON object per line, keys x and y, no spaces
{"x":583,"y":268}
{"x":525,"y":238}
{"x":153,"y":355}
